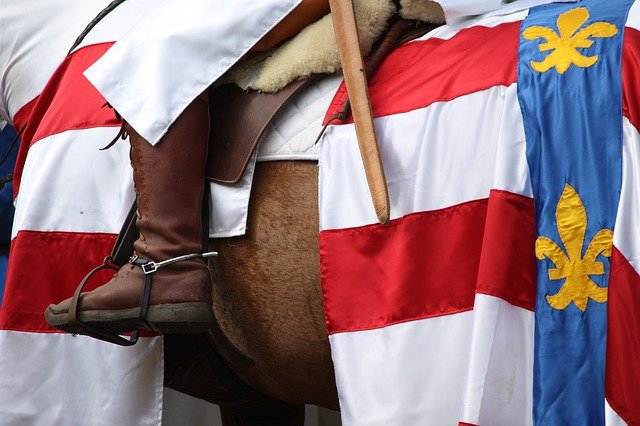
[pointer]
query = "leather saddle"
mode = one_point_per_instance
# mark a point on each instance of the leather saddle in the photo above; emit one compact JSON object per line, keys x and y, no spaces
{"x":238,"y":120}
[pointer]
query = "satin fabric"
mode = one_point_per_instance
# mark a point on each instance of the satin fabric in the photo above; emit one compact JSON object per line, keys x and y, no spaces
{"x":175,"y":52}
{"x":573,"y":126}
{"x":463,"y":12}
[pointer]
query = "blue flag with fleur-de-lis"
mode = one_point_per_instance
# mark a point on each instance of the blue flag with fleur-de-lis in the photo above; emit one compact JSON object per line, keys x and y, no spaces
{"x":569,"y":86}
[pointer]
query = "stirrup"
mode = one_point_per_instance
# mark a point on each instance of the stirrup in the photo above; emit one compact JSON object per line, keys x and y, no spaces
{"x":148,"y":267}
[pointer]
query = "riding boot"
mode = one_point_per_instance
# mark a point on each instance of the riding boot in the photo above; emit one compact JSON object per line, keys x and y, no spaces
{"x":169,"y":184}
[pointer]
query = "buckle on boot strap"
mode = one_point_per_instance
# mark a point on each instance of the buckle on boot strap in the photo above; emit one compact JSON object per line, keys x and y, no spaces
{"x":151,"y":267}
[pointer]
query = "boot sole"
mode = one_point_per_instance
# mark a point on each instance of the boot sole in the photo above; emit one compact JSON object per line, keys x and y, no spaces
{"x":180,"y":318}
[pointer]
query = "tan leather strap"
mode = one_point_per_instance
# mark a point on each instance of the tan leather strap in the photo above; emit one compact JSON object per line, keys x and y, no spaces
{"x":344,"y":23}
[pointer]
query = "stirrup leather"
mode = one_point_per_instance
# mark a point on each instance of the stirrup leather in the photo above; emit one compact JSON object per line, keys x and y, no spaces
{"x":148,"y":267}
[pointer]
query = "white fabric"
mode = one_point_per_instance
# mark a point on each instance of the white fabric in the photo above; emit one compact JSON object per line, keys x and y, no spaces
{"x":118,"y":22}
{"x":427,"y":164}
{"x":423,"y":370}
{"x":445,"y":32}
{"x":175,"y":52}
{"x":290,"y":136}
{"x":500,"y":373}
{"x":292,"y":133}
{"x":53,"y":167}
{"x":611,"y":418}
{"x":229,"y":206}
{"x":407,"y":374}
{"x":50,"y":379}
{"x":36,"y":38}
{"x":465,"y":12}
{"x":633,"y":18}
{"x":628,"y":219}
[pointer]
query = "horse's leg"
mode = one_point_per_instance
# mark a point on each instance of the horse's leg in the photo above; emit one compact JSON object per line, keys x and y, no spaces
{"x":188,"y":370}
{"x":255,"y":413}
{"x":268,"y":298}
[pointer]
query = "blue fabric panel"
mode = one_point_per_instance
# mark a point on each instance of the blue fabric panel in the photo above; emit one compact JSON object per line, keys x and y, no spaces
{"x":571,"y":103}
{"x":7,"y":135}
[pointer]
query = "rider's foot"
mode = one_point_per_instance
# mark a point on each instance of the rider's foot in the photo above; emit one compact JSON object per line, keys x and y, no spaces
{"x":180,"y":301}
{"x":169,"y":183}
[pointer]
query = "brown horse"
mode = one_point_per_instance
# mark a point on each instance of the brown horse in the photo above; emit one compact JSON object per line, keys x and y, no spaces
{"x":268,"y":302}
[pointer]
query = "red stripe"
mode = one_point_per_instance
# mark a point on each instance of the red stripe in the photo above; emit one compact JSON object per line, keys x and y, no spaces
{"x":630,"y":76}
{"x":433,"y":70}
{"x":22,"y":116}
{"x":466,"y":424}
{"x":429,"y":264}
{"x":19,"y":120}
{"x":412,"y":268}
{"x":622,"y":380}
{"x":44,"y":268}
{"x":67,"y":102}
{"x":508,"y":263}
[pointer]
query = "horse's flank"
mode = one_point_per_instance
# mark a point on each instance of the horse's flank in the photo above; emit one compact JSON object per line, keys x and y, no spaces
{"x":268,"y":297}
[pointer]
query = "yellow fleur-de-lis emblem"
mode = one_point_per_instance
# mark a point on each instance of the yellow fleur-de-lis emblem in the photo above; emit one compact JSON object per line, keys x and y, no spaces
{"x":571,"y":38}
{"x":578,"y":288}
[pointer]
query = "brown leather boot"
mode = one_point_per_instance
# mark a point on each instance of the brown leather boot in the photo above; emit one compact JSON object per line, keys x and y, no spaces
{"x":169,"y":183}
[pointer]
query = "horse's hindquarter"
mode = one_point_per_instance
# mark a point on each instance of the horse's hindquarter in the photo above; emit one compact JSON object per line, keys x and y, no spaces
{"x":268,"y":298}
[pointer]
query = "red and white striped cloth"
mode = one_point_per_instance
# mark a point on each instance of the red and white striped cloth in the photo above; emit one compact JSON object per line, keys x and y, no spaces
{"x":431,"y":317}
{"x":71,"y":201}
{"x":65,"y":221}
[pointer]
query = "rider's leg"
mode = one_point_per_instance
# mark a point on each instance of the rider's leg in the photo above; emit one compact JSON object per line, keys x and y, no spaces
{"x":169,"y":183}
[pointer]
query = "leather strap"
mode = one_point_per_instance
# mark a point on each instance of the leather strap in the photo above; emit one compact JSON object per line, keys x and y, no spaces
{"x":79,"y":327}
{"x":104,"y":12}
{"x":344,"y":23}
{"x":123,"y":248}
{"x":239,"y":119}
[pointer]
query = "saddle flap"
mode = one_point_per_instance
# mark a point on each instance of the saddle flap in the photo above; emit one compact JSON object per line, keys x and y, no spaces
{"x":238,"y":120}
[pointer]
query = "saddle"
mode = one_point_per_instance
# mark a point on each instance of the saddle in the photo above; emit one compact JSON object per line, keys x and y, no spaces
{"x":238,"y":121}
{"x":239,"y":118}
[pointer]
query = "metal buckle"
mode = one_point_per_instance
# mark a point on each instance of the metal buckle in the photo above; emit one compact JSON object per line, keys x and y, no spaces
{"x":151,"y":267}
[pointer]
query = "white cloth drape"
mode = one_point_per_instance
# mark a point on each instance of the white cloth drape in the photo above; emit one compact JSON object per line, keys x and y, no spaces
{"x":459,"y":12}
{"x":175,"y":52}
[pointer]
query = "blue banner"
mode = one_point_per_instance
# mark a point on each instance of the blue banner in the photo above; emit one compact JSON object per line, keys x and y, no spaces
{"x":570,"y":91}
{"x":7,"y":136}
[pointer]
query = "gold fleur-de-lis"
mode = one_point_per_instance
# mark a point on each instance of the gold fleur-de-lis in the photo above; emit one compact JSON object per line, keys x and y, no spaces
{"x":571,"y":219}
{"x":565,"y":45}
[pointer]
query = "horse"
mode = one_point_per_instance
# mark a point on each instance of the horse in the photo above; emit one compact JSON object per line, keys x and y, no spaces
{"x":270,"y":312}
{"x":500,"y":388}
{"x":269,"y":307}
{"x":268,"y":300}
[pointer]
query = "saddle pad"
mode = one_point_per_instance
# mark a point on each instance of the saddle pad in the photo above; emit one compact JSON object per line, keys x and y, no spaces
{"x":290,"y":136}
{"x":292,"y":133}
